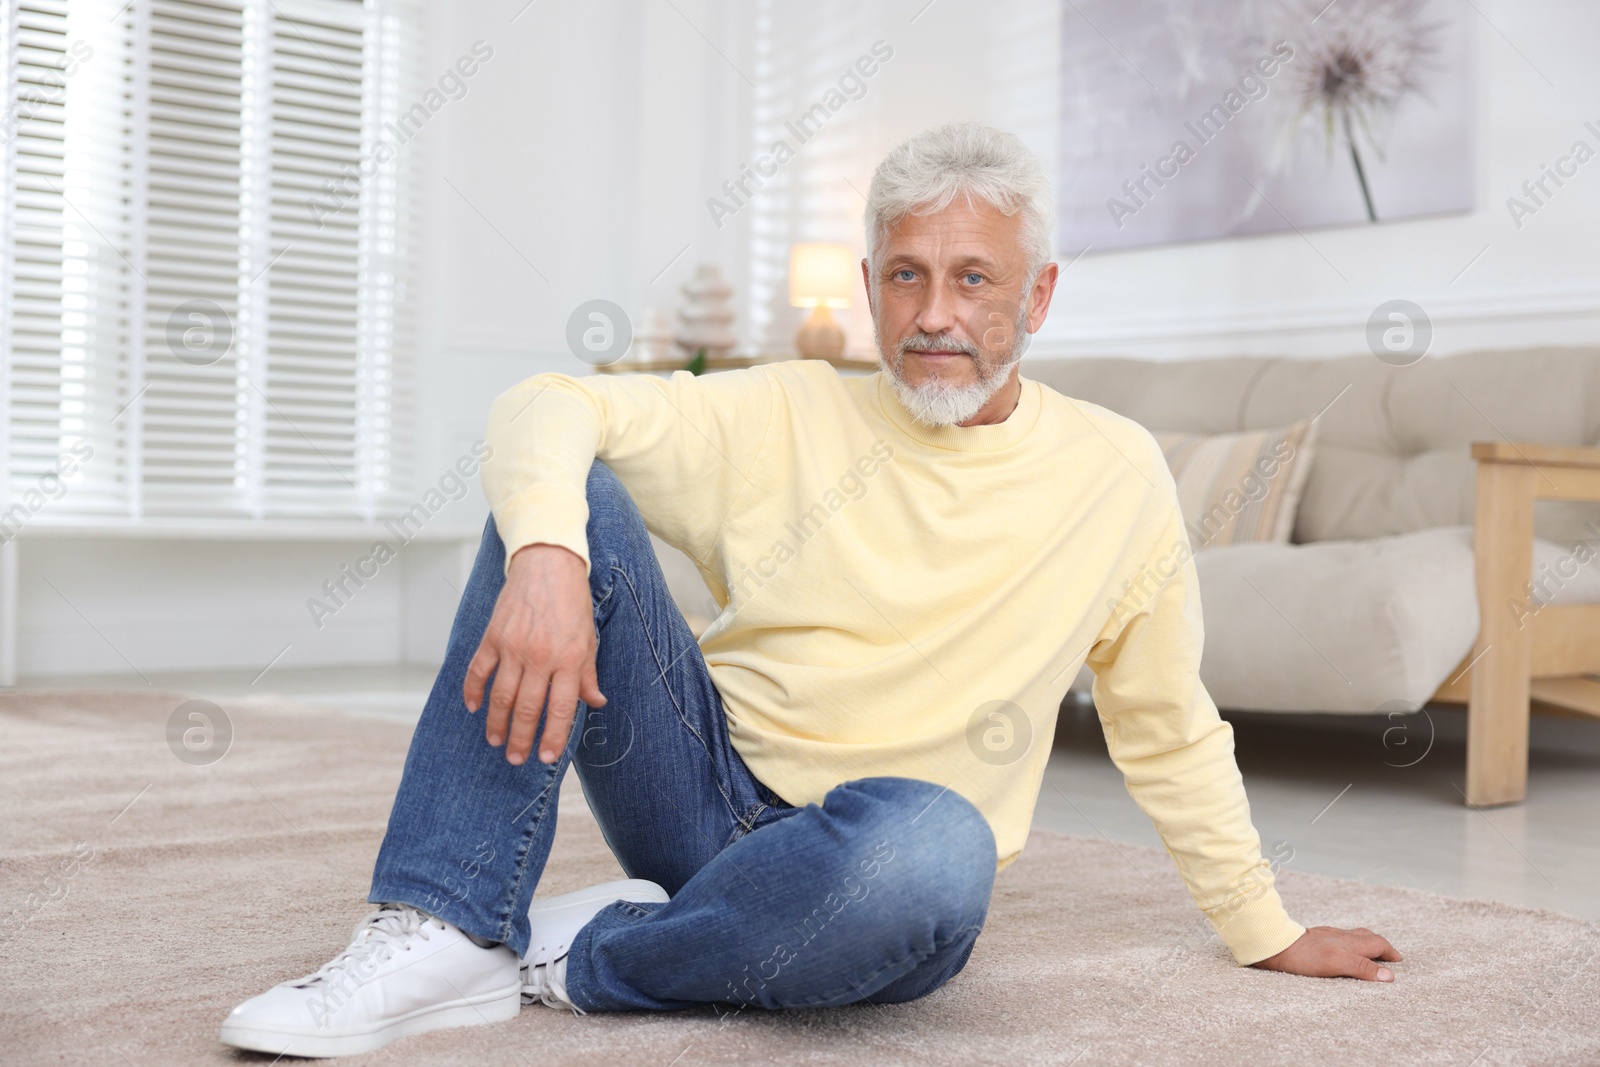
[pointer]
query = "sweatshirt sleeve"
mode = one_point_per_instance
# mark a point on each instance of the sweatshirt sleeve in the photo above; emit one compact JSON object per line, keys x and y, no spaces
{"x":681,"y":445}
{"x":1176,"y":753}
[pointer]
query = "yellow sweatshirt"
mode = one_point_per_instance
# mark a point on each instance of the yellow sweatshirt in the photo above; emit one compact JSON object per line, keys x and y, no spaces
{"x":913,"y":601}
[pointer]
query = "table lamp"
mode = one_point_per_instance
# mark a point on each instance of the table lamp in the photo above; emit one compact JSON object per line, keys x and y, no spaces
{"x":821,"y":276}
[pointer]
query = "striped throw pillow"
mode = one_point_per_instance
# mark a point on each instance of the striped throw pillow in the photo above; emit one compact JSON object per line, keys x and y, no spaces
{"x":1237,"y":487}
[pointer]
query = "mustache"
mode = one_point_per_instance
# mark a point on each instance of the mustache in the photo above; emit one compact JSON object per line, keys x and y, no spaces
{"x":927,"y":342}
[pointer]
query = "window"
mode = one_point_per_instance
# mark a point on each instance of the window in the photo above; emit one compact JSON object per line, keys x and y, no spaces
{"x":203,"y":293}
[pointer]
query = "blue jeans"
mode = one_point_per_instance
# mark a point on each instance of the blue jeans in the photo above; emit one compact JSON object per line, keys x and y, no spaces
{"x":876,"y":894}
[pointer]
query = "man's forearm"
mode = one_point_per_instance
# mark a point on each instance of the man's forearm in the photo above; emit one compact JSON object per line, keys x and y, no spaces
{"x":545,"y":434}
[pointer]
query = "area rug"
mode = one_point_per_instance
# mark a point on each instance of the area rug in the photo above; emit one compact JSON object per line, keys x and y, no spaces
{"x":157,"y":868}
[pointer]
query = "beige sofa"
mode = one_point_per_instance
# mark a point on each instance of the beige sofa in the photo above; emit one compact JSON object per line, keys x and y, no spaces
{"x":1373,"y":608}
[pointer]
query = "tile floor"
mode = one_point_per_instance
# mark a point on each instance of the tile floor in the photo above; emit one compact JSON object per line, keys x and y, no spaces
{"x":1327,"y":793}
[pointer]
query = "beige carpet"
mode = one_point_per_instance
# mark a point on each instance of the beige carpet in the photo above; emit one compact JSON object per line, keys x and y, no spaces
{"x":144,"y":896}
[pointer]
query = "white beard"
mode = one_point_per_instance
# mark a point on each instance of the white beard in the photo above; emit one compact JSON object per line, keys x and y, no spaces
{"x":935,"y":402}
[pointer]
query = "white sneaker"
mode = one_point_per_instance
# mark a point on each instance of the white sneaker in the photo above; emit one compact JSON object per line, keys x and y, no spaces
{"x":555,"y":922}
{"x":405,"y":972}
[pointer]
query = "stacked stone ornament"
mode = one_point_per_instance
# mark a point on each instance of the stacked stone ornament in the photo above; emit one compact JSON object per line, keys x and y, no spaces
{"x":706,"y":318}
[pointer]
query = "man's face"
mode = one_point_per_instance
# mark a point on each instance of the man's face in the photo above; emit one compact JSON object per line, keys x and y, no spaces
{"x":952,"y":309}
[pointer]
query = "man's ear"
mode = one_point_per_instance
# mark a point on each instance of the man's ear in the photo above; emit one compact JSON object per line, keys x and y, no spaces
{"x":866,"y":280}
{"x":1044,"y":288}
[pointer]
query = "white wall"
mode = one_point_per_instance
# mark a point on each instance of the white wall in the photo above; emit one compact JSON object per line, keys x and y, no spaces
{"x":572,"y":170}
{"x":141,"y":607}
{"x":595,"y":136}
{"x":579,"y":163}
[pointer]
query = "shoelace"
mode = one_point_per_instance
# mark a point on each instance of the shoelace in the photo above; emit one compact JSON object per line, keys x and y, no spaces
{"x":375,"y":939}
{"x":546,"y":982}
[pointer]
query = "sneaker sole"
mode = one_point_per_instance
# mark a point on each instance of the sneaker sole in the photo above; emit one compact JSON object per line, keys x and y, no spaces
{"x":633,"y":890}
{"x":319,"y":1044}
{"x":597,"y":898}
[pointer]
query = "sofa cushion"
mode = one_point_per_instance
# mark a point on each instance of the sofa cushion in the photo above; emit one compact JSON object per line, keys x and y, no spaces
{"x":1237,"y":487}
{"x":1346,"y":626}
{"x":1393,"y":443}
{"x":1353,"y":626}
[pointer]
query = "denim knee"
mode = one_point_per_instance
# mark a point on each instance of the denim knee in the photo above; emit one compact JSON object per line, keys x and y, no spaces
{"x":603,"y":484}
{"x":616,"y":531}
{"x":611,"y":510}
{"x":935,"y":835}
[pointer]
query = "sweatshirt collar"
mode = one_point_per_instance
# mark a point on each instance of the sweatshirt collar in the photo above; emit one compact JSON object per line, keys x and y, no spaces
{"x":990,"y":438}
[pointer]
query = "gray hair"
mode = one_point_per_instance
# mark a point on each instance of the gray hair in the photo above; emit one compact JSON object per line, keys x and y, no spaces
{"x":926,"y":173}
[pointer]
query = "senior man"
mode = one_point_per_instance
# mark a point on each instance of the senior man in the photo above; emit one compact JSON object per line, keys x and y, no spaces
{"x":812,"y":800}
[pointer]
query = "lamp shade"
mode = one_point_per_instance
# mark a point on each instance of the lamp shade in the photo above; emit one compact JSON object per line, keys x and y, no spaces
{"x":821,"y":275}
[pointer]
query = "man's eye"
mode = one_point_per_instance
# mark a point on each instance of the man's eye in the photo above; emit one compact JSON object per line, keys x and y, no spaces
{"x":972,"y":278}
{"x":905,"y":274}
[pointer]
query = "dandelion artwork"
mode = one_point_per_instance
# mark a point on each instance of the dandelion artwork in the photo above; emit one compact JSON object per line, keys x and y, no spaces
{"x":1363,"y":60}
{"x":1187,"y":120}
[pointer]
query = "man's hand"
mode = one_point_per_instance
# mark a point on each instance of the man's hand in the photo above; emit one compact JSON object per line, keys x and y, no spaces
{"x":540,"y":643}
{"x":1329,"y":952}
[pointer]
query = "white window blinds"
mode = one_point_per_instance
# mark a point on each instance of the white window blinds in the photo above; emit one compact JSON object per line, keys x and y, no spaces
{"x":203,"y":272}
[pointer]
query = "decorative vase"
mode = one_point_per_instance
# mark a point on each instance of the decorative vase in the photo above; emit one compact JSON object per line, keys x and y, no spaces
{"x":820,"y":336}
